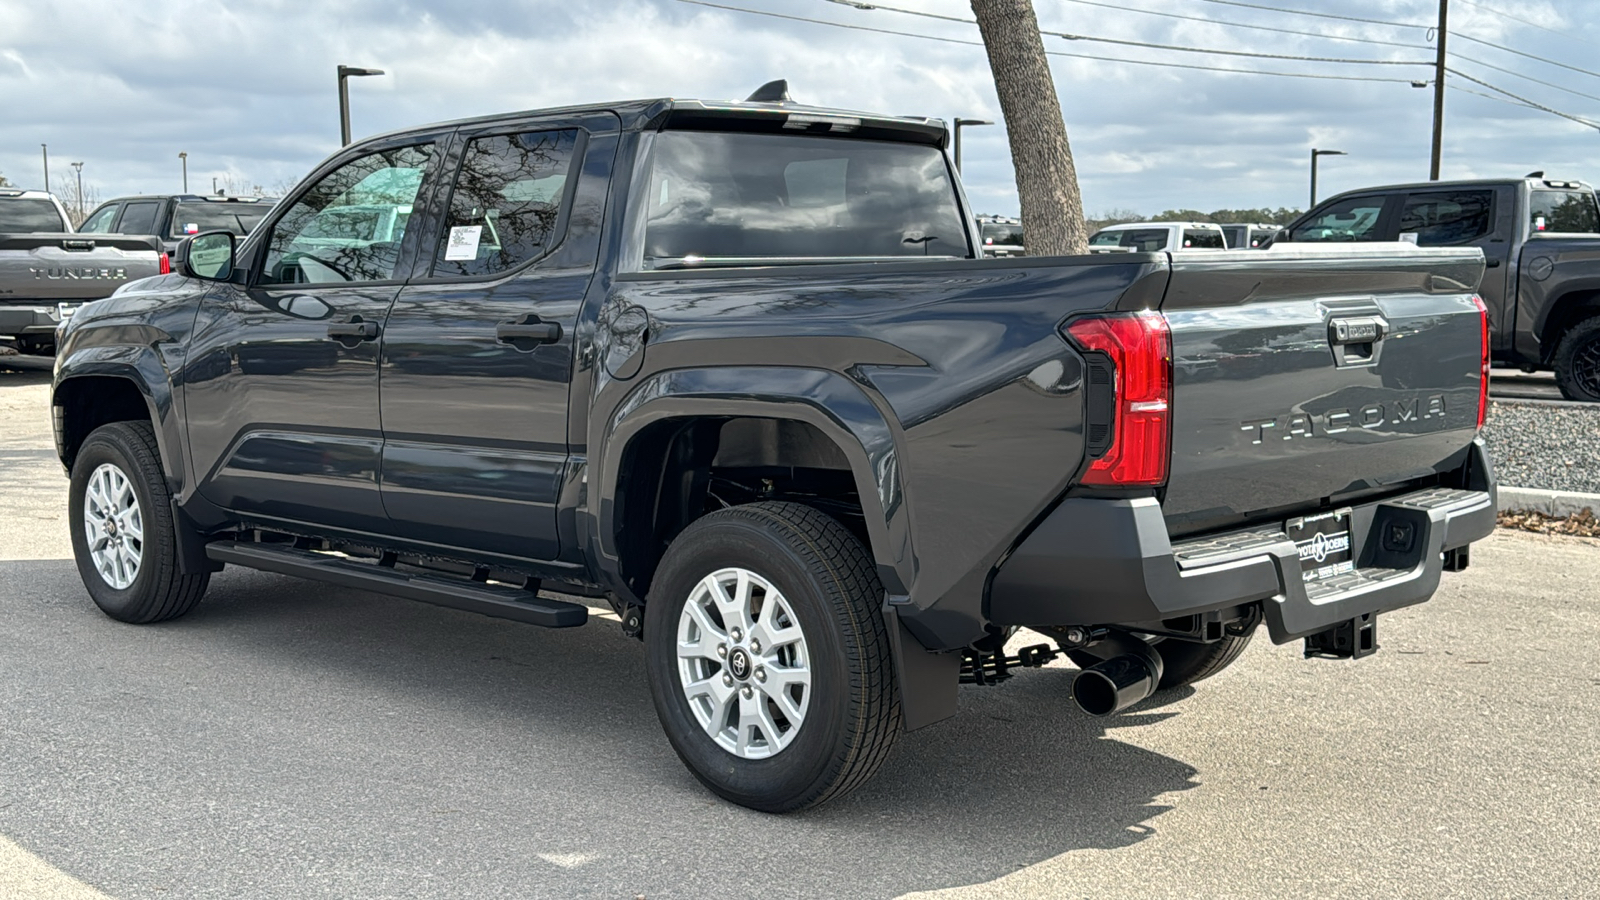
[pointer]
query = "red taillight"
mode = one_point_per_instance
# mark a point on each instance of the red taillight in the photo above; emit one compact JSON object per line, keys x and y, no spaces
{"x":1483,"y":384}
{"x":166,"y":264}
{"x":1139,"y":346}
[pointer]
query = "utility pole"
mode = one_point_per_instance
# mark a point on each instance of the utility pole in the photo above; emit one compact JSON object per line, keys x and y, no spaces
{"x":1438,"y":91}
{"x":45,"y":149}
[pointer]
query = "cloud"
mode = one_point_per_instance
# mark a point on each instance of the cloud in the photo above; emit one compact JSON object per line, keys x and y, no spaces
{"x":247,"y":90}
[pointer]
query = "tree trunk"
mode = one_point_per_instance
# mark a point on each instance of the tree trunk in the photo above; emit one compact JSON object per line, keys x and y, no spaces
{"x":1047,"y":181}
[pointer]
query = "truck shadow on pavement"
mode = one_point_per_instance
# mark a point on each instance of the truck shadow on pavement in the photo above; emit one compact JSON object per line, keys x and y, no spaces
{"x":438,"y":733}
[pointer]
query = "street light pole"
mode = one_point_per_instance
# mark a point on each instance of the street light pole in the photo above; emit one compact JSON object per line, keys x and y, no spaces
{"x":344,"y":99}
{"x":1314,"y":154}
{"x":1438,"y":92}
{"x":45,"y":149}
{"x":78,"y":168}
{"x":184,"y":157}
{"x":959,"y":123}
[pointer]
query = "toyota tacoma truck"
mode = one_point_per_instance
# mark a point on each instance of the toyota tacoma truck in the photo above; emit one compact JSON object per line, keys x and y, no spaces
{"x":47,"y":272}
{"x":738,"y":373}
{"x":1540,"y":239}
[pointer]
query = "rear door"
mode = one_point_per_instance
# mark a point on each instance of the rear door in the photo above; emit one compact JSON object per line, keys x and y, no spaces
{"x":281,"y":380}
{"x":1302,"y":379}
{"x":478,"y":349}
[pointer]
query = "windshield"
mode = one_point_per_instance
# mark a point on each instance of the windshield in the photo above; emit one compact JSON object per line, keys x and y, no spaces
{"x":19,"y":216}
{"x":1567,"y":211}
{"x":732,"y":197}
{"x":1106,"y":239}
{"x":198,"y":217}
{"x":1010,"y":235}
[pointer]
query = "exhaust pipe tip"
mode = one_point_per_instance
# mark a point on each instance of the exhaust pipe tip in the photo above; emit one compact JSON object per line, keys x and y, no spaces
{"x":1113,"y":685}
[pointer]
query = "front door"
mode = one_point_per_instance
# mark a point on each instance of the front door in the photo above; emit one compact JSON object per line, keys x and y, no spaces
{"x":478,"y":349}
{"x":281,"y":382}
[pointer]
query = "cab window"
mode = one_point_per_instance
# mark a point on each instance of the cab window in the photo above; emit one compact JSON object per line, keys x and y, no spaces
{"x":1355,"y":219}
{"x":1443,"y":218}
{"x":506,"y":205}
{"x":1203,"y":239}
{"x":139,"y":218}
{"x":1145,"y":240}
{"x":349,"y":226}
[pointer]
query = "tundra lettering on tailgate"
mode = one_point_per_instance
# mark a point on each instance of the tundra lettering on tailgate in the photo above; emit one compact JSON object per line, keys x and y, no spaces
{"x":1336,"y":421}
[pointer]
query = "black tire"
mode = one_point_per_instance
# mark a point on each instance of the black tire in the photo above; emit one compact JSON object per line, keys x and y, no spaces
{"x":1577,"y":362}
{"x":1185,"y":662}
{"x":158,"y":591}
{"x":828,"y":580}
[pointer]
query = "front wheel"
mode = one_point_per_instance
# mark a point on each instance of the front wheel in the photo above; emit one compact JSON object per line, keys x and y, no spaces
{"x":122,"y":528}
{"x":769,"y":658}
{"x":1577,"y":362}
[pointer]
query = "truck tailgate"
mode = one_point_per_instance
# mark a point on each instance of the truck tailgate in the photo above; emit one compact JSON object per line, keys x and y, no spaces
{"x":1302,"y":377}
{"x":73,"y":267}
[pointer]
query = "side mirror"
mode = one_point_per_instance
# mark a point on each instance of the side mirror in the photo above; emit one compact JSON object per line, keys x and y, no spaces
{"x":207,"y":256}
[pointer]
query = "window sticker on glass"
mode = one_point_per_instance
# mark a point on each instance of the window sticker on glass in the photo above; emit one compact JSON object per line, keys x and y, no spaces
{"x":463,"y":242}
{"x":191,"y":228}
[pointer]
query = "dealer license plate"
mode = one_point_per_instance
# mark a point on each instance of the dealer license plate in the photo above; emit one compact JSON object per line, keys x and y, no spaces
{"x":1324,"y":544}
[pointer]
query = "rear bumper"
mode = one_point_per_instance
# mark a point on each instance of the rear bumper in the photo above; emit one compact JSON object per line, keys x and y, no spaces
{"x":1110,"y":562}
{"x":37,"y":318}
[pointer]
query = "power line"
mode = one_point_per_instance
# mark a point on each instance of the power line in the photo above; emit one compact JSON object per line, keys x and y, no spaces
{"x":1143,"y":44}
{"x":1502,"y":47}
{"x":1531,"y":24}
{"x":1516,"y":74}
{"x":1524,"y":100}
{"x":1313,"y":34}
{"x":1320,"y":15}
{"x":1115,"y":59}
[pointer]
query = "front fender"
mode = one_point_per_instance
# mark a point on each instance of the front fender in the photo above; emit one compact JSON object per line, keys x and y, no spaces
{"x":141,"y":365}
{"x":827,"y":400}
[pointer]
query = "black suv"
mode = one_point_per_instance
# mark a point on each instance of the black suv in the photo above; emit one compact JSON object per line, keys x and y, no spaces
{"x":173,"y":217}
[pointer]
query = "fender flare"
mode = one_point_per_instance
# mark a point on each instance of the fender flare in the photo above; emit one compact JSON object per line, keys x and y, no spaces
{"x":837,"y":407}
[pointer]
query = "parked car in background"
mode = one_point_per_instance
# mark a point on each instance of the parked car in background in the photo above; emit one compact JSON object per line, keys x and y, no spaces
{"x":1249,"y":237}
{"x":1540,"y":239}
{"x":32,"y":212}
{"x":47,"y":272}
{"x":1002,"y":236}
{"x":173,"y":217}
{"x":1152,"y":237}
{"x":740,"y":370}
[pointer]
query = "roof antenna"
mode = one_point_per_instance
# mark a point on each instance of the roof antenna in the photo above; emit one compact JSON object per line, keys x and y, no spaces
{"x":1538,"y":174}
{"x":771,"y":92}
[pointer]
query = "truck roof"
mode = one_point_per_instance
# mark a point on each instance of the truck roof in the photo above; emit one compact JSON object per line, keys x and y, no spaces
{"x":1536,"y":180}
{"x":22,"y":194}
{"x":193,"y":198}
{"x":637,"y":115}
{"x":1127,"y":226}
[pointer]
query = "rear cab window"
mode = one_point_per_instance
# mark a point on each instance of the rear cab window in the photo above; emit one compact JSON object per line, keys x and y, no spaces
{"x":199,"y":216}
{"x":1145,"y":240}
{"x":732,"y":198}
{"x":1445,"y":218}
{"x":1203,"y":239}
{"x":23,"y":215}
{"x":1570,"y":211}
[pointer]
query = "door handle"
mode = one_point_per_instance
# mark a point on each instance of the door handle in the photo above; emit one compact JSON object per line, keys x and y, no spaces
{"x":530,"y":331}
{"x":1491,"y":264}
{"x":354,"y":330}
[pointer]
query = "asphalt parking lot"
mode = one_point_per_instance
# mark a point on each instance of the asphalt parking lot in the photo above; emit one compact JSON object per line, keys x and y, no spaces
{"x":293,"y":740}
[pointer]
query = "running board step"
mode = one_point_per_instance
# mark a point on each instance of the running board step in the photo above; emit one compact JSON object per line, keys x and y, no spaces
{"x":486,"y":599}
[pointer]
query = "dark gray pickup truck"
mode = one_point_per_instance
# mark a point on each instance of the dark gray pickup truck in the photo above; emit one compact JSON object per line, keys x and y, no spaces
{"x":1541,"y":244}
{"x":47,"y":271}
{"x":738,"y":373}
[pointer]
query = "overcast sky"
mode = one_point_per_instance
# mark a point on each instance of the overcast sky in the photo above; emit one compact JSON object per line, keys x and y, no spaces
{"x":247,"y":89}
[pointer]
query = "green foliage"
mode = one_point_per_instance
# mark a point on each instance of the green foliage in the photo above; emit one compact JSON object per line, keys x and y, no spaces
{"x":4,"y":182}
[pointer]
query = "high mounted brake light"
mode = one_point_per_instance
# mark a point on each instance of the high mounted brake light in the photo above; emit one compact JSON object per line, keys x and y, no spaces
{"x":1138,"y":347}
{"x":1483,"y":382}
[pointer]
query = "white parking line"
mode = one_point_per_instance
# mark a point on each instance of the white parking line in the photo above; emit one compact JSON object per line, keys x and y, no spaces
{"x":24,"y":876}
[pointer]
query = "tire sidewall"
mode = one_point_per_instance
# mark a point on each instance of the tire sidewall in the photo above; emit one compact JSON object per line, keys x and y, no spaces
{"x":107,"y":446}
{"x":786,"y":778}
{"x":1581,"y":336}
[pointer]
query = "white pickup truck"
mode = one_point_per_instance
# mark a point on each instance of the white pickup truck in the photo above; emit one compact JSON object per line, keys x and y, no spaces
{"x":47,"y":271}
{"x":1154,"y":237}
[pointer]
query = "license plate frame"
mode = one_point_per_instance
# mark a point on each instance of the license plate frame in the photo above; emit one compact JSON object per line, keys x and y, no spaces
{"x":1325,"y":544}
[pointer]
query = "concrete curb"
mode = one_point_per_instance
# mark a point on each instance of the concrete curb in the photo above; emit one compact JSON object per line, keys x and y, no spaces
{"x":1551,"y":503}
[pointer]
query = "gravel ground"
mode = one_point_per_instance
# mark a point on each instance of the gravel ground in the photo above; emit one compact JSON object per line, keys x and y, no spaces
{"x":1552,"y":447}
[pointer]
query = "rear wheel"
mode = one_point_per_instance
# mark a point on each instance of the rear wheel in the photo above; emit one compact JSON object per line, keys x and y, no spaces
{"x":769,"y":658}
{"x":1577,"y":362}
{"x":1183,"y":662}
{"x":122,"y":528}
